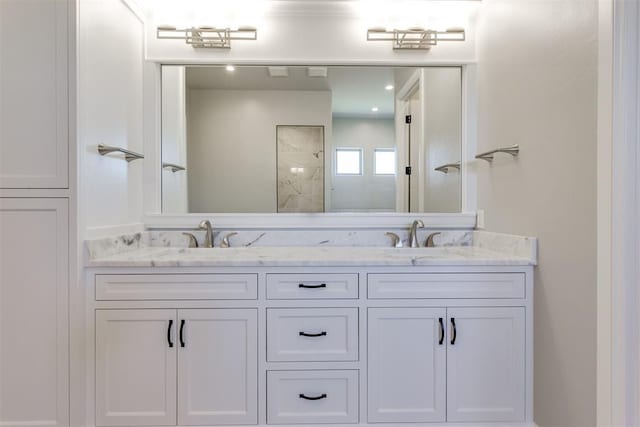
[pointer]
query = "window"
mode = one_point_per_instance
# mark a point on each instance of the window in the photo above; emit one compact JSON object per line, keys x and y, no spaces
{"x":384,"y":161}
{"x":348,"y":161}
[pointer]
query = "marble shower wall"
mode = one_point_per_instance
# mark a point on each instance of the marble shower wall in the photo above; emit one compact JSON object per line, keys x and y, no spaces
{"x":300,"y":168}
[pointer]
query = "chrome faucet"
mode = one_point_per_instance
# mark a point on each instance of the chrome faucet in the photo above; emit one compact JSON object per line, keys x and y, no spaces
{"x":413,"y":233}
{"x":208,"y":235}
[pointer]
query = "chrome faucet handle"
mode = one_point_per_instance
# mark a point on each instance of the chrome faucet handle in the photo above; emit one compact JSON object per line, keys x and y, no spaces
{"x":429,"y":242}
{"x":225,"y":241}
{"x":208,"y":236}
{"x":395,"y":239}
{"x":193,"y":241}
{"x":413,"y":233}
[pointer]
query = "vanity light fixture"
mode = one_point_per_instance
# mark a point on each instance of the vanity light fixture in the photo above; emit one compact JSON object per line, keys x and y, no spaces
{"x":415,"y":37}
{"x":207,"y":37}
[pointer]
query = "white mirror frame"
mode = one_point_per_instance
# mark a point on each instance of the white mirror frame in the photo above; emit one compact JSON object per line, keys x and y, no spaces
{"x":152,"y":202}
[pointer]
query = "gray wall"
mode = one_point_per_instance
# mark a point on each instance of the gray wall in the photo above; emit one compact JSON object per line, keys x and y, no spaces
{"x":232,"y":144}
{"x":537,"y":71}
{"x":443,"y":129}
{"x":174,"y":140}
{"x":368,"y":192}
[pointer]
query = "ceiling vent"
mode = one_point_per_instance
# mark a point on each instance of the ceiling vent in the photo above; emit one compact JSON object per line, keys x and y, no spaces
{"x":317,"y":71}
{"x":278,"y":71}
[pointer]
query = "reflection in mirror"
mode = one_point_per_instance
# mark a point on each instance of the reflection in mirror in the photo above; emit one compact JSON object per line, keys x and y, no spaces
{"x":266,"y":139}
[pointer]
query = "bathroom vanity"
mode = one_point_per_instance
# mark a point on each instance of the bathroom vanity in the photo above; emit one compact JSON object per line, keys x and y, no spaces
{"x":311,"y":335}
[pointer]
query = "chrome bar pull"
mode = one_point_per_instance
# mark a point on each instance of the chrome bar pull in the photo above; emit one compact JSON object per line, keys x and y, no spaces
{"x":129,"y":155}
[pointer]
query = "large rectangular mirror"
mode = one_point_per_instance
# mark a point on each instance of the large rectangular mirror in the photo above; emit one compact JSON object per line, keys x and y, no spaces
{"x":268,"y":139}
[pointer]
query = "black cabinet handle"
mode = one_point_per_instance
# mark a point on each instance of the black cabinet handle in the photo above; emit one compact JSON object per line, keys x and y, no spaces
{"x":181,"y":335}
{"x":453,"y":335}
{"x":441,"y":339}
{"x":304,"y":334}
{"x":322,"y":396}
{"x":169,"y":333}
{"x":321,"y":285}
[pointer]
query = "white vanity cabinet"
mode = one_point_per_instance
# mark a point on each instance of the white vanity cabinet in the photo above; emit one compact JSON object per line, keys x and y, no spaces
{"x":176,"y":367}
{"x":407,"y":365}
{"x":296,"y":346}
{"x":471,"y":370}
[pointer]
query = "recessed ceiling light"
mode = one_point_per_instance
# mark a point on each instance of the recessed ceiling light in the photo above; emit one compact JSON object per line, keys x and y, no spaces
{"x":389,"y":87}
{"x":230,"y":68}
{"x":374,"y":109}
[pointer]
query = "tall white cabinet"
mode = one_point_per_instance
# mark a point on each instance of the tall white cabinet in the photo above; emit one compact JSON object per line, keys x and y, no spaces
{"x":34,"y":93}
{"x":35,"y":201}
{"x":33,"y":312}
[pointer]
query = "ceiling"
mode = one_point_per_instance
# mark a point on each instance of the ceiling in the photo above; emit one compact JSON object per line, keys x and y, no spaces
{"x":355,"y":90}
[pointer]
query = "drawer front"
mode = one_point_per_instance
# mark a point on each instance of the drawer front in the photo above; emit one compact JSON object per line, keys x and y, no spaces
{"x":445,"y":285}
{"x":312,"y":397}
{"x":113,"y":287}
{"x":312,"y":286}
{"x":312,"y":334}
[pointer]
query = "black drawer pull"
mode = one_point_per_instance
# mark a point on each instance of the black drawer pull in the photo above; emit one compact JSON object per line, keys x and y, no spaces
{"x":169,"y":333}
{"x":441,"y":339}
{"x":322,"y":396}
{"x":321,"y":285}
{"x":181,"y":333}
{"x":455,"y":332}
{"x":304,"y":334}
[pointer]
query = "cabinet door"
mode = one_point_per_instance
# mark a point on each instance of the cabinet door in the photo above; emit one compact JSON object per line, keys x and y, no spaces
{"x":217,"y":367}
{"x":34,"y":98}
{"x":34,"y":374}
{"x":136,"y":367}
{"x":485,"y":364}
{"x":407,"y":357}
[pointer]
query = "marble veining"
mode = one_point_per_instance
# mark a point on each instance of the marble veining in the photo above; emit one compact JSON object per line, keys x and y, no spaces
{"x":310,"y":256}
{"x":100,"y":248}
{"x":317,"y":248}
{"x":300,"y":168}
{"x":328,"y":238}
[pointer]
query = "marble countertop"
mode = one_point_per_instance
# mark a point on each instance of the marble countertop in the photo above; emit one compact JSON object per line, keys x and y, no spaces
{"x":310,"y":256}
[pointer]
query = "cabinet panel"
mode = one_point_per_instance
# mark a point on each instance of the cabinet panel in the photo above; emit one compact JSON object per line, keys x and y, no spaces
{"x":34,"y":372}
{"x":135,"y":367}
{"x":407,"y":365}
{"x":34,"y":112}
{"x":485,"y":364}
{"x":312,"y":334}
{"x":312,"y":286}
{"x":112,"y":287}
{"x":309,"y":397}
{"x":446,"y":285}
{"x":217,"y":367}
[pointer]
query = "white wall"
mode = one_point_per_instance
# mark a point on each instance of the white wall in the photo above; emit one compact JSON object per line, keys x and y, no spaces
{"x":537,"y":72}
{"x":367,"y":192}
{"x":174,"y":140}
{"x":326,"y":32}
{"x":442,"y":138}
{"x":232,"y":144}
{"x":110,"y":56}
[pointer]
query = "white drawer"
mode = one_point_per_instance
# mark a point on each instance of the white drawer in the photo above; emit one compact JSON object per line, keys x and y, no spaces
{"x":111,"y":287}
{"x":312,"y":286}
{"x":312,"y":334}
{"x":446,"y":285}
{"x":312,"y":397}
